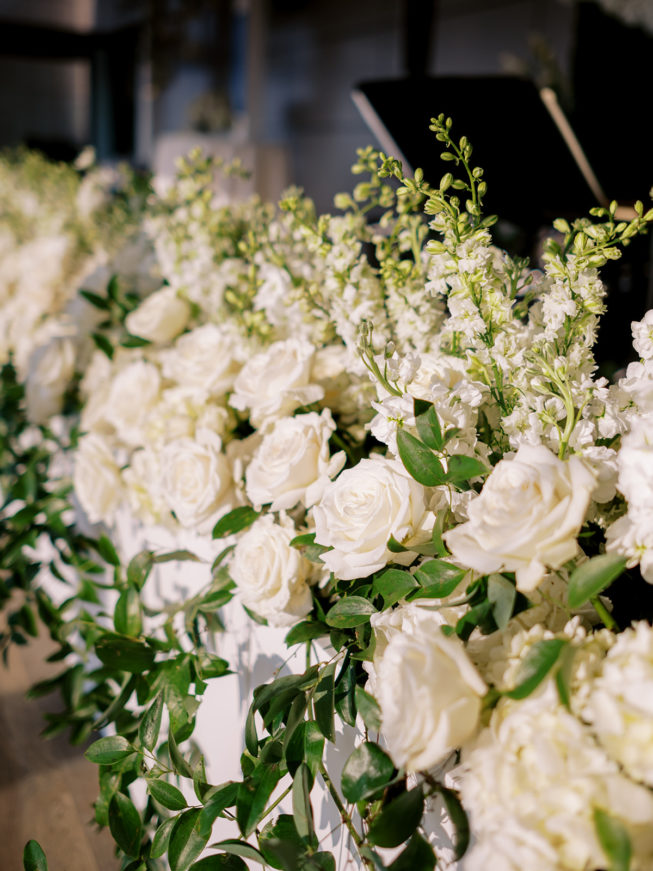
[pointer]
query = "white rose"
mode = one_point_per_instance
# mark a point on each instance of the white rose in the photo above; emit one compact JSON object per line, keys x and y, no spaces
{"x":527,"y":516}
{"x":197,"y":483}
{"x":143,"y":485}
{"x":96,"y":478}
{"x":359,"y":512}
{"x":133,"y":393}
{"x":51,"y":369}
{"x":206,"y":359}
{"x":272,"y":576}
{"x":430,"y":696}
{"x":276,"y":382}
{"x":293,"y":463}
{"x":160,"y":317}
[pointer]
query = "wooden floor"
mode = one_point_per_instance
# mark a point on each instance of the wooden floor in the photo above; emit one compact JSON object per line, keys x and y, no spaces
{"x":46,"y":787}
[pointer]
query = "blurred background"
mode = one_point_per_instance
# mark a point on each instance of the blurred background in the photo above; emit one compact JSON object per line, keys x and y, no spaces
{"x":272,"y":80}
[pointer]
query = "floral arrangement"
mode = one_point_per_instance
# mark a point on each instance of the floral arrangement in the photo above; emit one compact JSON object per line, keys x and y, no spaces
{"x":383,"y":435}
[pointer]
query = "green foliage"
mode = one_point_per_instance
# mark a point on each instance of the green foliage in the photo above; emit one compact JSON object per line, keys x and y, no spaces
{"x":593,"y":576}
{"x":34,"y":857}
{"x":614,"y":839}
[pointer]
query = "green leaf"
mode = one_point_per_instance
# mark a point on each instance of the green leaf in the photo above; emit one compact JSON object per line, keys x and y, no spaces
{"x":614,"y":839}
{"x":124,"y":654}
{"x":34,"y":857}
{"x":419,"y":460}
{"x":538,"y":662}
{"x":428,"y":425}
{"x":167,"y":795}
{"x":301,"y":802}
{"x":253,"y":795}
{"x":103,"y":344}
{"x":418,"y":855}
{"x":311,"y":550}
{"x":125,"y":824}
{"x":107,"y":551}
{"x":240,"y":848}
{"x":394,"y":584}
{"x":280,"y":843}
{"x":176,"y":556}
{"x":502,"y":594}
{"x":306,"y":744}
{"x":251,"y":737}
{"x":439,"y":577}
{"x":180,"y":764}
{"x":150,"y":725}
{"x":323,"y":702}
{"x":186,"y":842}
{"x":350,"y":612}
{"x":127,"y":615}
{"x":344,"y":695}
{"x":234,"y":521}
{"x":224,"y":797}
{"x":398,"y":819}
{"x":459,"y":819}
{"x":394,"y":546}
{"x":139,"y":568}
{"x":106,"y":751}
{"x":162,"y":838}
{"x":367,"y":770}
{"x":306,"y":631}
{"x":368,"y":708}
{"x":130,"y":341}
{"x":100,"y":302}
{"x":221,"y":862}
{"x":593,"y":576}
{"x":461,"y":468}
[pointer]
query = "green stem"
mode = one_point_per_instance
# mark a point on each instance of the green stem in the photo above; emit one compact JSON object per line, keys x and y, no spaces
{"x":276,"y":802}
{"x":606,"y":617}
{"x":344,"y":816}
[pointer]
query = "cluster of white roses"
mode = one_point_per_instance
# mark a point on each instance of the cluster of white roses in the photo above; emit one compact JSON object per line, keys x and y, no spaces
{"x":62,"y":228}
{"x":255,"y":381}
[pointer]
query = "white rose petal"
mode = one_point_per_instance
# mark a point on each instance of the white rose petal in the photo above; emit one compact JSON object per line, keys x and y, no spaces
{"x":96,"y":478}
{"x":276,"y":382}
{"x":160,"y":317}
{"x":430,"y":696}
{"x":359,"y":512}
{"x":293,"y":462}
{"x":51,"y":369}
{"x":207,"y":359}
{"x":527,"y":516}
{"x":197,"y":484}
{"x":270,"y":574}
{"x":134,"y":392}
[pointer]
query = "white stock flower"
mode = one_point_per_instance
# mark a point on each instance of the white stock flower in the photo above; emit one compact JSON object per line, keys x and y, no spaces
{"x":51,"y":369}
{"x":206,"y":359}
{"x":276,"y":382}
{"x":527,"y":516}
{"x":643,"y":336}
{"x":635,"y":462}
{"x":293,"y":463}
{"x":430,"y":696}
{"x":96,"y":478}
{"x":160,"y":317}
{"x":359,"y":512}
{"x":133,"y":393}
{"x":632,"y":536}
{"x":196,"y":480}
{"x":271,"y":576}
{"x":620,"y":702}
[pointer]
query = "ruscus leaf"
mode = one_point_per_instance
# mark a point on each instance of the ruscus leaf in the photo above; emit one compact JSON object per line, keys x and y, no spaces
{"x":236,"y":520}
{"x":125,"y":824}
{"x":538,"y":662}
{"x":350,"y":612}
{"x":367,"y":770}
{"x":614,"y":839}
{"x":398,"y":819}
{"x":106,"y":751}
{"x":34,"y":857}
{"x":186,"y":841}
{"x":419,"y":460}
{"x":593,"y":576}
